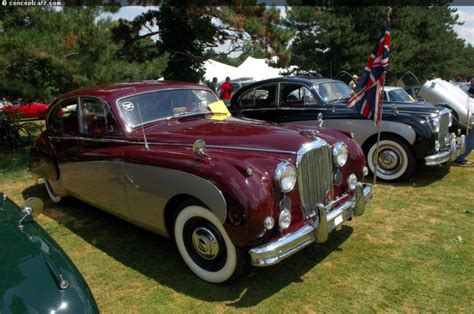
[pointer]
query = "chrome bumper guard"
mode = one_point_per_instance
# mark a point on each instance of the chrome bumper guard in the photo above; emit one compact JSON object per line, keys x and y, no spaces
{"x":457,"y":147}
{"x":316,"y":231}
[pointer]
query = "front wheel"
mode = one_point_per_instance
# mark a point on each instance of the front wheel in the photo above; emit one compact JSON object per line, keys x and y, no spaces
{"x":205,"y":246}
{"x":395,"y":161}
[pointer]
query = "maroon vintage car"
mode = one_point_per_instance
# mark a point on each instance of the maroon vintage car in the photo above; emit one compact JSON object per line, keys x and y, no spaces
{"x":167,"y":157}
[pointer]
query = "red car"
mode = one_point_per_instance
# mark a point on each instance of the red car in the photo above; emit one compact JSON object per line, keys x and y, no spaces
{"x":167,"y":156}
{"x":27,"y":110}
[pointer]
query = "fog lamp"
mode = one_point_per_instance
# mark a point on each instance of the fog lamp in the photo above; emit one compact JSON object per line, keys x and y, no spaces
{"x":268,"y":223}
{"x":365,"y":171}
{"x":352,"y":181}
{"x":284,"y":220}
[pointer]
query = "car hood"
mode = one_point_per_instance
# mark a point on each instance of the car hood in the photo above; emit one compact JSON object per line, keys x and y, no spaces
{"x":32,"y":265}
{"x":234,"y":132}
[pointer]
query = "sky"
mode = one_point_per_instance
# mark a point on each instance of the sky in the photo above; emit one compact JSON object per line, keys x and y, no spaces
{"x":465,"y":31}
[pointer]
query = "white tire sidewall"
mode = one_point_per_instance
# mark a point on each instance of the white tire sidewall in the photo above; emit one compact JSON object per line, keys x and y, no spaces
{"x":373,"y":151}
{"x":231,"y":262}
{"x":54,"y":198}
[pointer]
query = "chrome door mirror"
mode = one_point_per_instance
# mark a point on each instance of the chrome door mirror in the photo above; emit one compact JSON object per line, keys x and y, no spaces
{"x":36,"y":205}
{"x":320,"y":121}
{"x":32,"y":207}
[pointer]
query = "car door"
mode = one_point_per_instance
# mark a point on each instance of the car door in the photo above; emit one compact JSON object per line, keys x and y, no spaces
{"x":297,"y":104}
{"x":98,"y":174}
{"x":63,"y":134}
{"x":260,"y":102}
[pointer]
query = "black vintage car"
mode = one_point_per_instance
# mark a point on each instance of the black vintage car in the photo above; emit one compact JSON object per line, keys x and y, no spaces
{"x":410,"y":130}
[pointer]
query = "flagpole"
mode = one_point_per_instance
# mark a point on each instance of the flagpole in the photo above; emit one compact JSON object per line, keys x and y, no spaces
{"x":376,"y":162}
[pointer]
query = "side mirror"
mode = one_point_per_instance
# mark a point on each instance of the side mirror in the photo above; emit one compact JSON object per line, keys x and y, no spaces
{"x":320,"y":121}
{"x":35,"y":204}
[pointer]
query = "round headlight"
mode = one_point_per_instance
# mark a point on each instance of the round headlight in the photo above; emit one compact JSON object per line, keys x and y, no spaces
{"x":435,"y":124}
{"x":285,"y":176}
{"x":284,"y":220}
{"x":339,"y":153}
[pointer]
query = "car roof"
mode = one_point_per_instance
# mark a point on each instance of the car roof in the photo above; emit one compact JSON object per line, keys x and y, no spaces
{"x":122,"y":89}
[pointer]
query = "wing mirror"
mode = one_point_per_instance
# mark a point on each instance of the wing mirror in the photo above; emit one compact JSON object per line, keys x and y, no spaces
{"x":32,"y":207}
{"x":319,"y":121}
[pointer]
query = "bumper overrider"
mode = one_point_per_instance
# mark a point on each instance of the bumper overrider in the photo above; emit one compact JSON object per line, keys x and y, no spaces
{"x":316,"y":231}
{"x":457,"y":146}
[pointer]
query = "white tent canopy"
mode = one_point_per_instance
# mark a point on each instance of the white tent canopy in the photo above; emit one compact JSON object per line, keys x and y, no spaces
{"x":257,"y":69}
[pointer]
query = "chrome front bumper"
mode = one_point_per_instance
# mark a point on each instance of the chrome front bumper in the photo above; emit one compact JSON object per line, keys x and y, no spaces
{"x":457,"y":147}
{"x":316,"y":231}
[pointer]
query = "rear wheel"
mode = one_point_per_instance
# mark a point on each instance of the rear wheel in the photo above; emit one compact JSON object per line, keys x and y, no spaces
{"x":395,"y":160}
{"x":52,"y":195}
{"x":205,"y":246}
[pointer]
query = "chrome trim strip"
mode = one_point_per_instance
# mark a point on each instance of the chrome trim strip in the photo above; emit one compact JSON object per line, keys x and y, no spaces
{"x":274,"y":252}
{"x":109,"y":140}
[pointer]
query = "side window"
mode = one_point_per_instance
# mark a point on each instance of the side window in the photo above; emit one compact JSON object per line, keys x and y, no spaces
{"x":97,"y":119}
{"x":64,"y":117}
{"x":295,"y":95}
{"x":261,"y":96}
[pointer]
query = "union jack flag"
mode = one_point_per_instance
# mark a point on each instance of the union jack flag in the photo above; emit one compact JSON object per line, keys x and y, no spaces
{"x":368,"y":97}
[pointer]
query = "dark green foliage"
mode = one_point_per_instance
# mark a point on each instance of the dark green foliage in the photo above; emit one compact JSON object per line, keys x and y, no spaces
{"x":339,"y":38}
{"x":189,"y":33}
{"x":45,"y":52}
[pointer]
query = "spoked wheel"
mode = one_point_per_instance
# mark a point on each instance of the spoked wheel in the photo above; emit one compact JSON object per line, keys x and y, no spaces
{"x":395,"y":160}
{"x":205,"y":246}
{"x":52,"y":195}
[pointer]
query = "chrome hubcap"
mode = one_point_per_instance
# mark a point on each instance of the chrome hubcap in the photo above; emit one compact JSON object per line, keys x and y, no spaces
{"x":388,"y":159}
{"x":205,"y":243}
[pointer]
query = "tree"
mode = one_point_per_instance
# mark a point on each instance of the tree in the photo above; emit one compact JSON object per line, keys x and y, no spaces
{"x":187,"y":33}
{"x":45,"y":52}
{"x":341,"y":38}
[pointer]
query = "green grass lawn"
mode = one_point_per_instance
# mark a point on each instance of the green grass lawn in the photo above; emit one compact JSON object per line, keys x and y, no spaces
{"x":412,"y":251}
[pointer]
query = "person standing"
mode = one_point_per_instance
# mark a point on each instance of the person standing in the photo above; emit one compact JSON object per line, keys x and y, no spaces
{"x":213,"y":84}
{"x":226,"y":91}
{"x":469,"y":147}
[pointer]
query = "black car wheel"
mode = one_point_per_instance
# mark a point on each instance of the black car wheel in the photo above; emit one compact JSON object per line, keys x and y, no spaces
{"x":395,"y":160}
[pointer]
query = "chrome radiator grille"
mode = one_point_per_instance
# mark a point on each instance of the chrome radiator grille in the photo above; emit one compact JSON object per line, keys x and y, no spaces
{"x":315,"y":177}
{"x":443,"y":129}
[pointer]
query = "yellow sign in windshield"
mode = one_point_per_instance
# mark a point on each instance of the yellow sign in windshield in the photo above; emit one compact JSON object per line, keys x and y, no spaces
{"x":219,"y":110}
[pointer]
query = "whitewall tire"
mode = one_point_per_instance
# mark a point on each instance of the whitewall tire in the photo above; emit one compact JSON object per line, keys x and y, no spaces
{"x":205,"y":246}
{"x":52,"y":196}
{"x":396,"y":159}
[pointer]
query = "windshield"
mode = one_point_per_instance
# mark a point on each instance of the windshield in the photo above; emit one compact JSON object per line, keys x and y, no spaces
{"x":399,"y":95}
{"x":331,"y":91}
{"x":144,"y":108}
